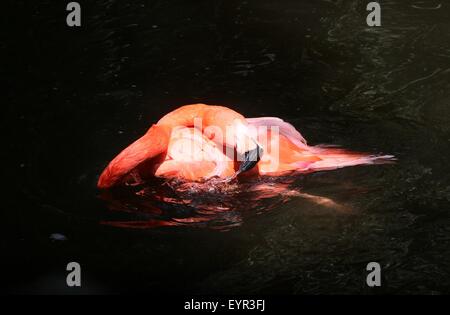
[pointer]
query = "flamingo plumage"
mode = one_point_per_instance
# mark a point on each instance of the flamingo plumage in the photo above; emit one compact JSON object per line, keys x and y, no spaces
{"x":199,"y":142}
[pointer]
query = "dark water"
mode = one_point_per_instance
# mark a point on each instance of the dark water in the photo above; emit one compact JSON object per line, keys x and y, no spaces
{"x":75,"y":97}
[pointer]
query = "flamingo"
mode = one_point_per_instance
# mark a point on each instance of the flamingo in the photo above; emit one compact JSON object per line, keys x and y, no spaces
{"x":202,"y":142}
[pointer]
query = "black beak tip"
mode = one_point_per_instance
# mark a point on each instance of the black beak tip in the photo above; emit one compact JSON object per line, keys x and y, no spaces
{"x":251,"y":158}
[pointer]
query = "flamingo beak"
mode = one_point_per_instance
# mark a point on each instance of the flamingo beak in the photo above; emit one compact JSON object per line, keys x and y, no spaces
{"x":247,"y":147}
{"x":251,"y":158}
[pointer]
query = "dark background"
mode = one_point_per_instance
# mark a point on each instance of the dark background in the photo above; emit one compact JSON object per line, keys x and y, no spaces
{"x":73,"y":97}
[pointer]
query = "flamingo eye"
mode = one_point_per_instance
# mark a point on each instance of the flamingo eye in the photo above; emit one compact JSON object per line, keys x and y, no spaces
{"x":209,"y":133}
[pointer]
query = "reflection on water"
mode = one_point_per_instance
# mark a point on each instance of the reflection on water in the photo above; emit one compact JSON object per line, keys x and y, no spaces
{"x":76,"y":97}
{"x":218,"y":206}
{"x":213,"y":203}
{"x":208,"y":204}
